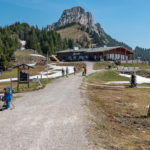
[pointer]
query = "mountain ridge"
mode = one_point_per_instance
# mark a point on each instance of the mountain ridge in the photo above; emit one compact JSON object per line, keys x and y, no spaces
{"x":77,"y":15}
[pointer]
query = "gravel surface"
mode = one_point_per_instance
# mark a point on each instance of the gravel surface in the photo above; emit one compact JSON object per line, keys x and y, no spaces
{"x":49,"y":119}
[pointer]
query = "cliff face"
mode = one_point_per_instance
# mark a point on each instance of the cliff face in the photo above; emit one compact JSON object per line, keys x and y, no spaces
{"x":76,"y":15}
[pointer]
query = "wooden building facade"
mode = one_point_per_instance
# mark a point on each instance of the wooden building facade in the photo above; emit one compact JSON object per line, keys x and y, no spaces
{"x":96,"y":54}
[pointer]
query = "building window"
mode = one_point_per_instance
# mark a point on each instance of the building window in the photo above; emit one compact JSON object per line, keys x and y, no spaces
{"x":86,"y":57}
{"x":81,"y":58}
{"x":74,"y":58}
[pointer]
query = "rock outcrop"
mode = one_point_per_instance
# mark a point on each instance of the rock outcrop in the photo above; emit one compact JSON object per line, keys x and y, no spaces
{"x":76,"y":15}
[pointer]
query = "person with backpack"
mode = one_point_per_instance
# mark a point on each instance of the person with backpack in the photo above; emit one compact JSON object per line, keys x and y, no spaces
{"x":7,"y":98}
{"x":83,"y":71}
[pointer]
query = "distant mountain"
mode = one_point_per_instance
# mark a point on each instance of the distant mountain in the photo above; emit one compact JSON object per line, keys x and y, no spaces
{"x":78,"y":16}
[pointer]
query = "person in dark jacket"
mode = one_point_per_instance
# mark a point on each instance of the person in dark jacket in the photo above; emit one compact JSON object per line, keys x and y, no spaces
{"x":63,"y":72}
{"x":67,"y":72}
{"x":133,"y":80}
{"x":74,"y":69}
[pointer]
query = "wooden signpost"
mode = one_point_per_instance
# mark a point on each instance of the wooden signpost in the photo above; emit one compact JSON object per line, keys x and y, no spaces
{"x":23,"y":75}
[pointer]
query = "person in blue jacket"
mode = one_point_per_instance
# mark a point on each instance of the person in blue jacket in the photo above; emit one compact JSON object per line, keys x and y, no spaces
{"x":7,"y":97}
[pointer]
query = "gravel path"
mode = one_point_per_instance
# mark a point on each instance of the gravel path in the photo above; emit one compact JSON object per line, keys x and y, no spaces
{"x":49,"y":119}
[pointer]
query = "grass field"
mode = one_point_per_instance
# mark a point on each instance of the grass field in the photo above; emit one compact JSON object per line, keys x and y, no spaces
{"x":106,"y":76}
{"x":13,"y":73}
{"x":119,"y":117}
{"x":9,"y":74}
{"x":35,"y":71}
{"x":144,"y":69}
{"x":33,"y":86}
{"x":19,"y":53}
{"x":73,"y":33}
{"x":24,"y":87}
{"x":23,"y":56}
{"x":103,"y":65}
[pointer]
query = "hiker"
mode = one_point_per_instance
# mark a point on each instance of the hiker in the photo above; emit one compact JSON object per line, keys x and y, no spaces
{"x":109,"y":67}
{"x":133,"y":80}
{"x":67,"y":72}
{"x":148,"y":112}
{"x":83,"y":71}
{"x":74,"y":69}
{"x":7,"y":98}
{"x":63,"y":72}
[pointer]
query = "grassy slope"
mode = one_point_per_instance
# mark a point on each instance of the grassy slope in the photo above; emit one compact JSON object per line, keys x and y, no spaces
{"x":13,"y":73}
{"x":34,"y":71}
{"x":24,"y":53}
{"x":23,"y":56}
{"x":144,"y":69}
{"x":73,"y":33}
{"x":103,"y":65}
{"x":119,"y":121}
{"x":24,"y":87}
{"x":107,"y":76}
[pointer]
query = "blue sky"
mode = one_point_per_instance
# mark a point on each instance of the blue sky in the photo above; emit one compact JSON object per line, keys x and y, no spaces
{"x":125,"y":20}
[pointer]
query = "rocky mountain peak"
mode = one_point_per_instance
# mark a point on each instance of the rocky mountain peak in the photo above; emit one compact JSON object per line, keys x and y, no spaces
{"x":78,"y":15}
{"x":74,"y":15}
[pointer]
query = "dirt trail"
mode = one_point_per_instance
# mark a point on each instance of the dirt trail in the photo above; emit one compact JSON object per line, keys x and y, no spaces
{"x":49,"y":119}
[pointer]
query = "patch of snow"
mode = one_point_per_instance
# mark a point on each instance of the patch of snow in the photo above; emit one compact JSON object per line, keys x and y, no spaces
{"x":8,"y":80}
{"x":139,"y":80}
{"x":118,"y":82}
{"x":31,"y":65}
{"x":37,"y":55}
{"x":44,"y":75}
{"x":23,"y":43}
